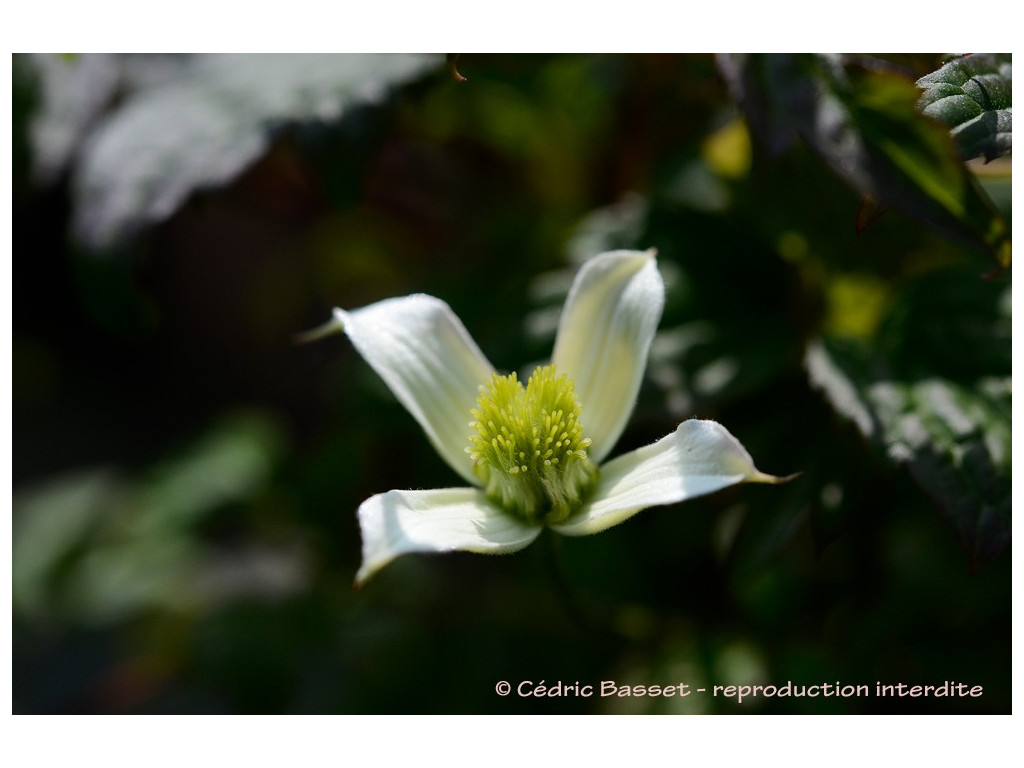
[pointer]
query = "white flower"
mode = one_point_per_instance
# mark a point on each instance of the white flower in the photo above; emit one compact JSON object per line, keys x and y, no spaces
{"x":532,"y":456}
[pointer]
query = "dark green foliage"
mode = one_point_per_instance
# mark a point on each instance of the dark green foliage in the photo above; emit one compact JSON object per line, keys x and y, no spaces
{"x":862,"y":121}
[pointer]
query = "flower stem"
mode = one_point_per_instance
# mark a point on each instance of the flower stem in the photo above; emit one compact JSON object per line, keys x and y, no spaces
{"x":565,"y":594}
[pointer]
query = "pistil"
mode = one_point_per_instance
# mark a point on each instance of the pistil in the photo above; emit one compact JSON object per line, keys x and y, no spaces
{"x":529,"y":450}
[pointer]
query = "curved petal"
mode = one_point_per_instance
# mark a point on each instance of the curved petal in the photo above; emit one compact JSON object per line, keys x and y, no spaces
{"x":603,"y":337}
{"x":431,"y":364}
{"x":699,"y":457}
{"x":398,"y":522}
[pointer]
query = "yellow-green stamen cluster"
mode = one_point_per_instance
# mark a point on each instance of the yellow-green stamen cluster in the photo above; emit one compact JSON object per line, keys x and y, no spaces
{"x":529,"y":449}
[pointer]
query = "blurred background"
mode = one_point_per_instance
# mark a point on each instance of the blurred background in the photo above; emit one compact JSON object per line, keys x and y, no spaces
{"x":835,"y":237}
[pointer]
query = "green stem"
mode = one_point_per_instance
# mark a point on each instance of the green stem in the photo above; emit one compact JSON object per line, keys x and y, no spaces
{"x":564,"y":591}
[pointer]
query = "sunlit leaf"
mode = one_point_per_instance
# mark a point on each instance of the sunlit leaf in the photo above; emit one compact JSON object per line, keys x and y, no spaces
{"x":203,"y":128}
{"x":973,"y":95}
{"x":865,"y":124}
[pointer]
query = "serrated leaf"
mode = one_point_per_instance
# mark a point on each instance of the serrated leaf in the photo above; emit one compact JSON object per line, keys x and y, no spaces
{"x":973,"y":96}
{"x":942,"y":408}
{"x":204,"y":127}
{"x":866,"y":126}
{"x":950,"y":324}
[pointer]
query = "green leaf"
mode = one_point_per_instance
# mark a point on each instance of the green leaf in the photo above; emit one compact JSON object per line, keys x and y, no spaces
{"x":206,"y":124}
{"x":972,"y":95}
{"x":934,"y":394}
{"x":97,"y":544}
{"x":863,"y":121}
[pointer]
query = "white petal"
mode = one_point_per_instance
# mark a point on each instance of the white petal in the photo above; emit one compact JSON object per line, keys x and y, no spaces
{"x":442,"y":520}
{"x":431,"y":364}
{"x":604,"y":334}
{"x":699,"y":457}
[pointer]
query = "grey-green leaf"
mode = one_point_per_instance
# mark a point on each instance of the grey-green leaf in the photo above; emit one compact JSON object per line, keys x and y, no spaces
{"x":973,"y":96}
{"x":208,"y":124}
{"x":72,"y":93}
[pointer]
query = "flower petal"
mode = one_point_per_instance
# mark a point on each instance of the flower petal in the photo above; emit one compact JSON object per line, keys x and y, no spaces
{"x":604,"y":334}
{"x":442,"y":520}
{"x":431,"y":364}
{"x":699,"y":457}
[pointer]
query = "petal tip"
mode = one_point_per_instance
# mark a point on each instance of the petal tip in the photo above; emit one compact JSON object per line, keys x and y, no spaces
{"x":762,"y":477}
{"x":641,"y":258}
{"x":363,"y":575}
{"x":335,"y":325}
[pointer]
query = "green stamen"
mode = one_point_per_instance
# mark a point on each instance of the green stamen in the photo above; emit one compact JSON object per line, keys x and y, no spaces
{"x":529,"y":449}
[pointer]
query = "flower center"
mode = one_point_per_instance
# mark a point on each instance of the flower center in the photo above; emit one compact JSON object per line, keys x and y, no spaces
{"x":529,"y":450}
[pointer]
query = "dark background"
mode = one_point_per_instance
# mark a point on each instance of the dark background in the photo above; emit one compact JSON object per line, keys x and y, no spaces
{"x":186,"y":476}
